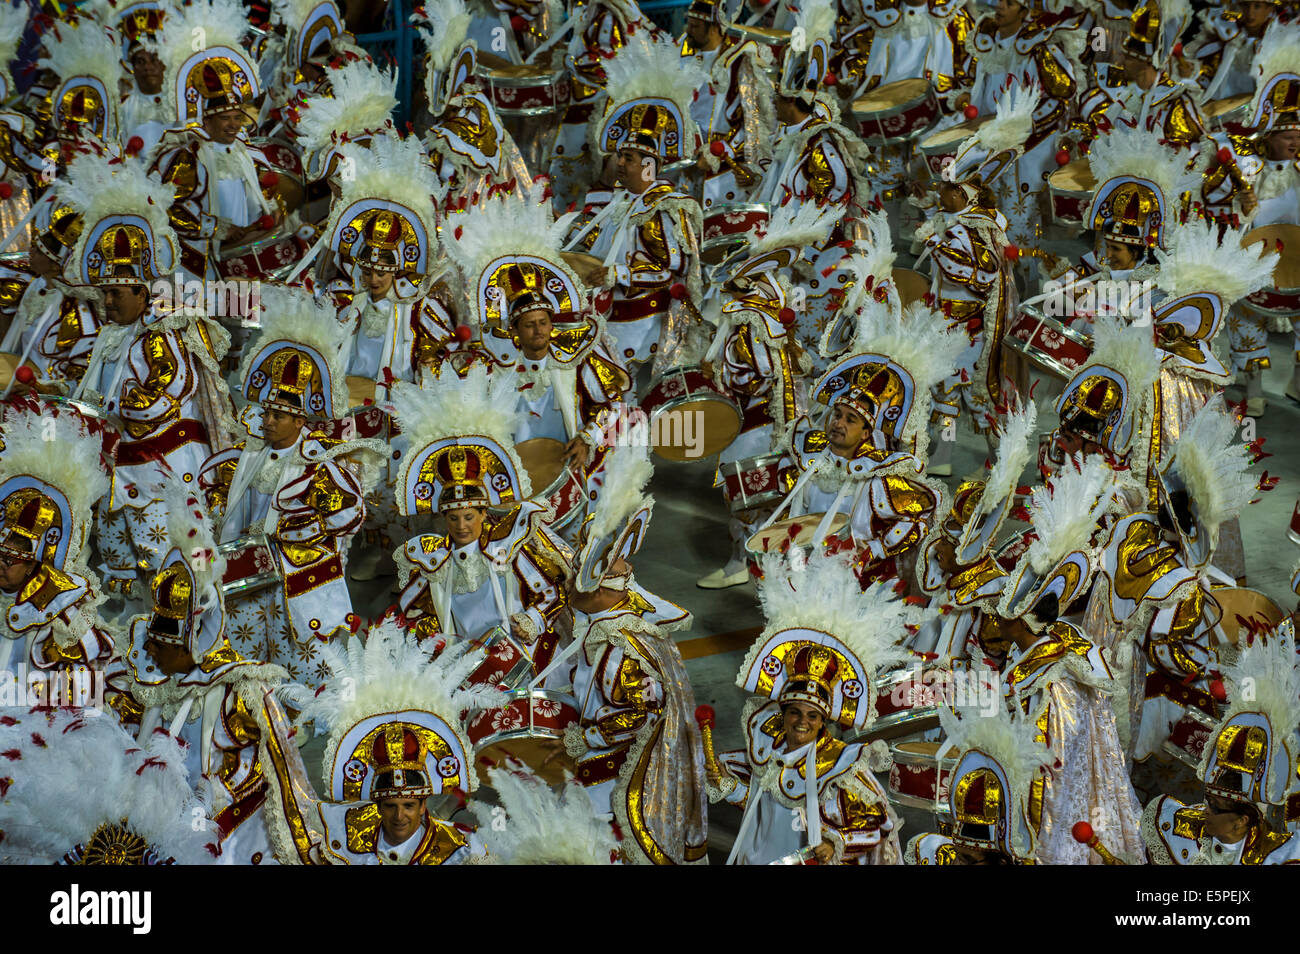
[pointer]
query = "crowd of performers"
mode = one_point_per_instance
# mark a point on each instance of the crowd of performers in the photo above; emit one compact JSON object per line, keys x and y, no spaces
{"x":320,"y":426}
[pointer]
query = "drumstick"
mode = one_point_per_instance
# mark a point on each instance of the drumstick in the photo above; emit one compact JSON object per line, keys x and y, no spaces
{"x":27,"y":351}
{"x":1084,"y":835}
{"x":704,"y":716}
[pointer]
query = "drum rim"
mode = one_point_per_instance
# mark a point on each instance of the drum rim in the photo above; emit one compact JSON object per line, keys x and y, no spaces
{"x":912,"y":758}
{"x":734,"y":207}
{"x":785,"y":522}
{"x":753,"y":30}
{"x":744,"y":460}
{"x":1045,"y":363}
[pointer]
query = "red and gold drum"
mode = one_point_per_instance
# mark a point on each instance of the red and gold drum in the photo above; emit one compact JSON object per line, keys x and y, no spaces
{"x":940,"y":147}
{"x":525,"y":89}
{"x":1189,"y":736}
{"x":1283,"y":299}
{"x":689,"y":417}
{"x":1071,"y":188}
{"x":792,"y":532}
{"x":919,"y":777}
{"x":252,"y":564}
{"x":777,"y":40}
{"x":507,"y":732}
{"x":1048,"y":344}
{"x":896,"y":112}
{"x":725,"y":227}
{"x":560,"y":485}
{"x":1229,"y":113}
{"x":507,"y":664}
{"x":753,"y":483}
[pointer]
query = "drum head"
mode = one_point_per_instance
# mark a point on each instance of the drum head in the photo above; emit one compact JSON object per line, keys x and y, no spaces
{"x":1246,"y":611}
{"x":890,"y":95}
{"x":953,"y":135}
{"x":1219,"y":107}
{"x":589,"y":268}
{"x":543,"y":458}
{"x":360,"y":390}
{"x":1286,"y":274}
{"x":798,"y":530}
{"x":912,"y":285}
{"x":8,"y":365}
{"x":695,"y":429}
{"x":926,"y":750}
{"x":1076,"y":176}
{"x":532,"y":752}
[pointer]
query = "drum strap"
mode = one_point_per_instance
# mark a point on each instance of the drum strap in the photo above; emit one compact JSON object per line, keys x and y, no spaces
{"x":795,"y":492}
{"x":38,"y":333}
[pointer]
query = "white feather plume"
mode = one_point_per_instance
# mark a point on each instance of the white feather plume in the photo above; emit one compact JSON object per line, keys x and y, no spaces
{"x":13,"y":24}
{"x":444,"y":28}
{"x":1278,"y":52}
{"x":1009,"y":737}
{"x":543,"y":827}
{"x":623,"y":493}
{"x":823,"y":593}
{"x":794,"y":225}
{"x":817,"y":20}
{"x":651,"y":65}
{"x":83,"y":48}
{"x":1132,"y":152}
{"x":363,"y":99}
{"x":1265,"y":678}
{"x":921,"y":342}
{"x":190,"y":529}
{"x":1129,"y":349}
{"x":388,"y":671}
{"x":76,"y":772}
{"x":479,"y":403}
{"x":871,"y":258}
{"x":1064,"y":515}
{"x":1016,"y":447}
{"x":1196,"y":262}
{"x":1214,"y":466}
{"x":216,"y":22}
{"x":1014,"y":120}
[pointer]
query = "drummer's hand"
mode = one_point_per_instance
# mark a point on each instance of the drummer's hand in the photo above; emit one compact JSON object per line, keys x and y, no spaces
{"x":706,"y":369}
{"x":518,"y":633}
{"x":824,"y":853}
{"x":716,"y":777}
{"x":963,"y":100}
{"x":1248,"y":202}
{"x":702,"y":163}
{"x":576,"y":452}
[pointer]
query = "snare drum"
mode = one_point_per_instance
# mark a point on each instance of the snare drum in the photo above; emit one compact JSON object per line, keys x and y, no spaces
{"x":689,"y":418}
{"x":367,"y":420}
{"x":506,"y":664}
{"x":726,"y":226}
{"x":908,"y":701}
{"x":589,"y":268}
{"x":552,"y":479}
{"x":897,"y":112}
{"x":753,"y":482}
{"x":1047,"y":344}
{"x":941,"y":146}
{"x":1188,"y":737}
{"x":1228,"y":113}
{"x":792,"y":532}
{"x":777,"y":40}
{"x":525,"y":89}
{"x":262,"y":258}
{"x":1283,"y":299}
{"x":505,"y":733}
{"x":252,"y":564}
{"x":1071,"y":188}
{"x":919,"y":777}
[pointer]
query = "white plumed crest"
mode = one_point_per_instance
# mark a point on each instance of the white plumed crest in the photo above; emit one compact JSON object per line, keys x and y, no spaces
{"x":1129,"y":349}
{"x":816,"y":18}
{"x":1196,"y":262}
{"x":1132,"y":152}
{"x":1265,"y":678}
{"x":1213,"y":464}
{"x":213,"y":22}
{"x":388,"y":671}
{"x":506,"y":225}
{"x":86,"y":49}
{"x":873,"y":258}
{"x":1009,"y":737}
{"x":444,"y":28}
{"x":13,"y":24}
{"x":1065,"y":514}
{"x":823,"y":593}
{"x":651,"y":66}
{"x":364,"y":97}
{"x":77,"y":772}
{"x":921,"y":342}
{"x":794,"y":225}
{"x":1016,"y":447}
{"x":623,"y":493}
{"x":1278,"y":52}
{"x":291,"y":313}
{"x":1014,"y":120}
{"x":543,"y":827}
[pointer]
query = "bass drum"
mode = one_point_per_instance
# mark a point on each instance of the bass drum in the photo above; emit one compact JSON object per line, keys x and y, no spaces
{"x":689,"y":417}
{"x":553,"y":480}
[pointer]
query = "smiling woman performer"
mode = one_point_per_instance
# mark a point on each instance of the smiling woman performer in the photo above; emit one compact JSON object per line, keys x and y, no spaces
{"x":813,"y":667}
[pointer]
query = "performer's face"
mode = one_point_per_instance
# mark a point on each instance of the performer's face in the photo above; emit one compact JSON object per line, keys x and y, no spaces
{"x":376,"y":282}
{"x":1008,"y":13}
{"x":1282,"y":144}
{"x":846,"y":431}
{"x":976,"y":856}
{"x":1255,"y":15}
{"x":700,"y":33}
{"x":802,"y":724}
{"x":788,"y":111}
{"x":1225,"y":820}
{"x":534,"y":330}
{"x":1120,"y":255}
{"x":42,"y":265}
{"x":636,"y":170}
{"x":148,"y":71}
{"x":123,"y":304}
{"x":224,"y":127}
{"x":464,"y":524}
{"x":14,"y":572}
{"x":400,"y":818}
{"x":281,"y":428}
{"x":1072,"y":443}
{"x":951,"y":197}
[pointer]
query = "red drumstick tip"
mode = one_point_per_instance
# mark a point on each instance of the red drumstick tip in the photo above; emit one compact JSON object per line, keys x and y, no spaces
{"x":1224,"y":156}
{"x":1063,"y":157}
{"x":464,"y":333}
{"x":970,"y":112}
{"x":704,"y":715}
{"x":786,"y":316}
{"x":24,"y":374}
{"x":266,"y":222}
{"x":677,"y":290}
{"x":1219,"y":691}
{"x":134,"y":145}
{"x":1082,"y":832}
{"x":718,"y":149}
